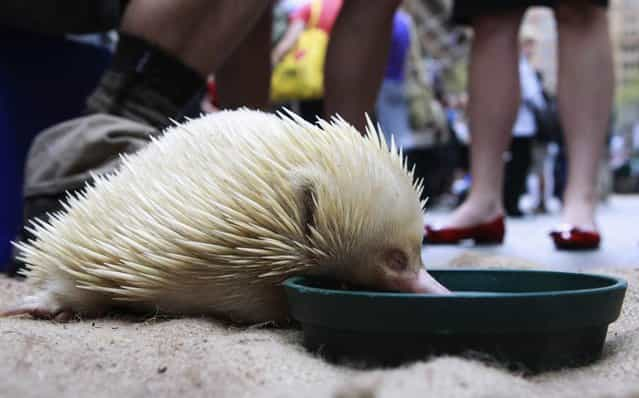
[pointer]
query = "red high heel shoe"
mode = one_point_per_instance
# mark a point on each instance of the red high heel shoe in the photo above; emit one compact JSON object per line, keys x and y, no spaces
{"x":482,"y":234}
{"x":572,"y":238}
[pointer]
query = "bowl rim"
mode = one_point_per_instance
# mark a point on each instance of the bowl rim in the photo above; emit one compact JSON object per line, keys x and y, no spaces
{"x":616,"y":283}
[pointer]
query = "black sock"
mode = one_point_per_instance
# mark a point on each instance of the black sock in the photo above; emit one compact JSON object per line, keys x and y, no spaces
{"x":145,"y":83}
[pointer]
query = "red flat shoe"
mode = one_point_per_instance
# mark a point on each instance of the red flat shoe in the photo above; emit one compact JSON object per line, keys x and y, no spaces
{"x":482,"y":234}
{"x":573,"y":238}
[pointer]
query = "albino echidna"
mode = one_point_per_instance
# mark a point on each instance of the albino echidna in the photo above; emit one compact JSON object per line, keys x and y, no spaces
{"x":212,"y":216}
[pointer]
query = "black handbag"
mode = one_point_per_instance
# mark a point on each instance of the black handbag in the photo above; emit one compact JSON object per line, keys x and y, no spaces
{"x":546,"y":119}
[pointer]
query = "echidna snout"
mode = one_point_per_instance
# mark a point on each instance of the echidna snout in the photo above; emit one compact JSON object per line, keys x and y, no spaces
{"x":394,"y":271}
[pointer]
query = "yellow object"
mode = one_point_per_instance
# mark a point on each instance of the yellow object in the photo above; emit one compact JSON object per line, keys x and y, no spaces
{"x":300,"y":74}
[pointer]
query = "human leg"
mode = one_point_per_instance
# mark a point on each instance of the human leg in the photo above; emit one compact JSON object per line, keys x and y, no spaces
{"x":391,"y":110}
{"x":585,"y":101}
{"x":356,"y":58}
{"x":516,"y":173}
{"x":161,"y":61}
{"x":494,"y":100}
{"x":201,"y":33}
{"x":244,"y":78}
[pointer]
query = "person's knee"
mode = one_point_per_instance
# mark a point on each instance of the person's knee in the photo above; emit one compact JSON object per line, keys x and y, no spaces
{"x":578,"y":14}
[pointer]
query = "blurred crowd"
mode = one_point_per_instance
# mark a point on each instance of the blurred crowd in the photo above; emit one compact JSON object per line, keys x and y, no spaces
{"x":423,"y":101}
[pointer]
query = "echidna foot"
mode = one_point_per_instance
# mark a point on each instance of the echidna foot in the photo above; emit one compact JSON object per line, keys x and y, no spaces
{"x":60,"y":315}
{"x":38,"y":309}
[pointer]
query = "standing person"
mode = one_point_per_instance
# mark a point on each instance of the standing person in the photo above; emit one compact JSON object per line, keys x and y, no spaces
{"x":519,"y":156}
{"x":585,"y":101}
{"x":356,"y":58}
{"x":391,"y":108}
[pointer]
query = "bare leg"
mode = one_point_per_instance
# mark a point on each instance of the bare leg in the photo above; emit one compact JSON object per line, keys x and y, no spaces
{"x":356,"y":58}
{"x":494,"y":100}
{"x":585,"y":102}
{"x":245,"y":77}
{"x":201,"y":33}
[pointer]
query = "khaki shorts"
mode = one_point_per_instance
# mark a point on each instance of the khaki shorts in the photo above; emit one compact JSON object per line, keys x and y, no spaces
{"x":62,"y":157}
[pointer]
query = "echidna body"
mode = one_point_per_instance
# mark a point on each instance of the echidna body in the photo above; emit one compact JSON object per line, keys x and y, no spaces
{"x":211,"y":217}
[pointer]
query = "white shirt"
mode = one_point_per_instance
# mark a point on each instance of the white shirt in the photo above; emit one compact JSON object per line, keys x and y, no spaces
{"x":531,"y":90}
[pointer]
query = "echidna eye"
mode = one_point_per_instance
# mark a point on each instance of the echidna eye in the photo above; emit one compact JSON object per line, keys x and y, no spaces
{"x":396,"y":260}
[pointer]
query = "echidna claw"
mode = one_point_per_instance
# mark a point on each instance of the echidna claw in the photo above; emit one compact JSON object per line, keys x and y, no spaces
{"x":60,"y":315}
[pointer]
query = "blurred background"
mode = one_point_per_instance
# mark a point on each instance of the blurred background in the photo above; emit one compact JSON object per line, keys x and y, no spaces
{"x":45,"y":78}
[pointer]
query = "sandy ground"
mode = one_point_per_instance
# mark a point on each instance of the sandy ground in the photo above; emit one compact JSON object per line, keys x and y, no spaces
{"x":128,"y":357}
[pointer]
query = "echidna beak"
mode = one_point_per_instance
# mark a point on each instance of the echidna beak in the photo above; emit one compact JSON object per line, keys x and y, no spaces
{"x":425,"y":283}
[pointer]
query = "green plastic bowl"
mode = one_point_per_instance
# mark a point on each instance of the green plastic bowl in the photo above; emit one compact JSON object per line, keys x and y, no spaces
{"x":532,"y":320}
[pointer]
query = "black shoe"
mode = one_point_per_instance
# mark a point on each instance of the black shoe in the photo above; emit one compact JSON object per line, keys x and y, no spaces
{"x":515,"y":213}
